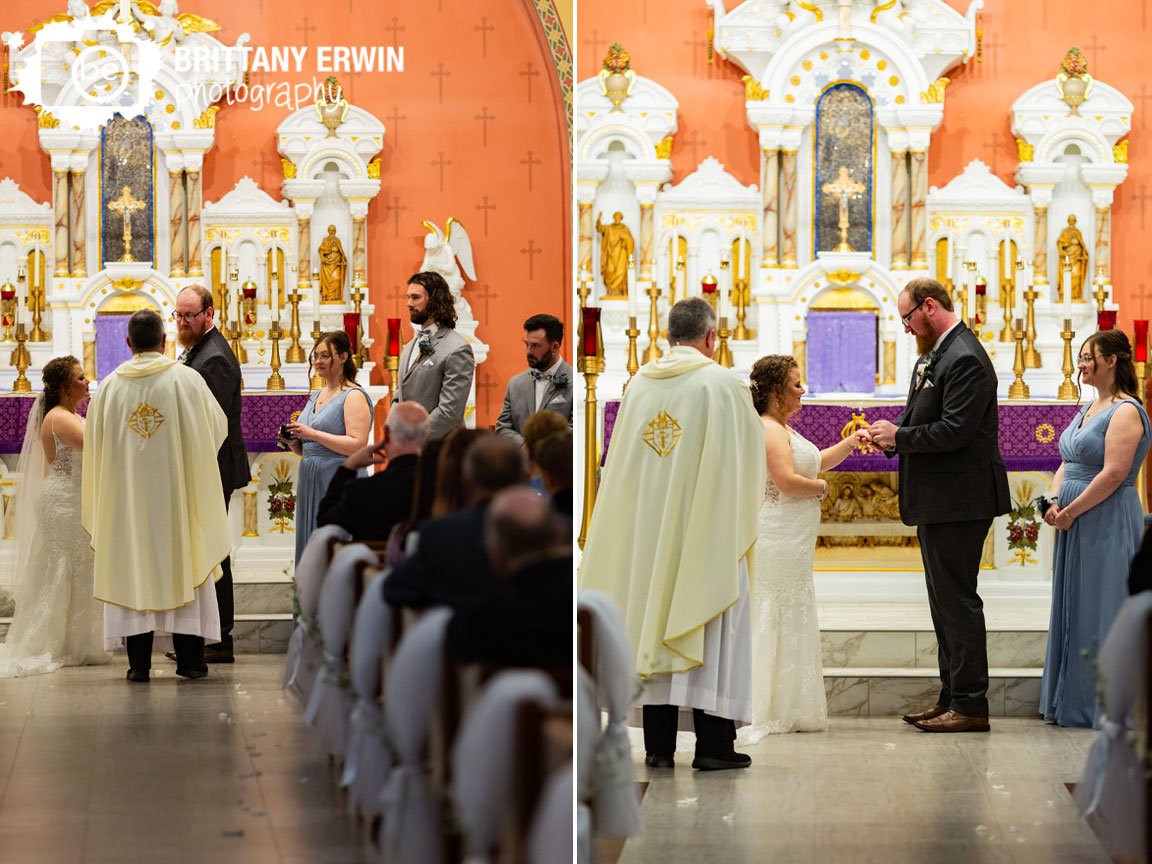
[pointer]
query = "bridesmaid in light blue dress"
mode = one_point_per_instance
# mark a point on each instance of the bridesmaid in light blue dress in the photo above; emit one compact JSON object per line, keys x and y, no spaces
{"x":334,"y":424}
{"x":1100,"y":525}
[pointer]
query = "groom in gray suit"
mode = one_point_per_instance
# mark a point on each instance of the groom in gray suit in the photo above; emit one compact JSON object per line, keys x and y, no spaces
{"x":952,"y":485}
{"x":436,"y":366}
{"x":545,"y":384}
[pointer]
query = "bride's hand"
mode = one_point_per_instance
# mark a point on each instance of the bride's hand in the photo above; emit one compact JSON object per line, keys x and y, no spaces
{"x":862,"y":439}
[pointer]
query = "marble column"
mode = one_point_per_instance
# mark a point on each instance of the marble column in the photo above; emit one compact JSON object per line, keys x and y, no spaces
{"x":304,"y":248}
{"x":800,"y":354}
{"x":919,"y":209}
{"x":646,"y":271}
{"x":1102,"y":258}
{"x":178,"y":205}
{"x":60,"y":203}
{"x":770,"y":183}
{"x":900,"y":210}
{"x":1040,"y":246}
{"x":79,"y":226}
{"x":584,"y":254}
{"x":195,"y":197}
{"x":788,"y":207}
{"x":359,"y":249}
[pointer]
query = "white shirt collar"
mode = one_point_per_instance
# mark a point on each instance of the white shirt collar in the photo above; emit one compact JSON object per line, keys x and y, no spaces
{"x":940,"y":339}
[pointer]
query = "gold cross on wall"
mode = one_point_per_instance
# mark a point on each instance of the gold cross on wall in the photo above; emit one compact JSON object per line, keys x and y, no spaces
{"x":126,"y":205}
{"x":843,"y":186}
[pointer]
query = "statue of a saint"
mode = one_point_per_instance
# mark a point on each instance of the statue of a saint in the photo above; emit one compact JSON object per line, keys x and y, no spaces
{"x":1070,"y":246}
{"x":616,"y":244}
{"x":333,"y":266}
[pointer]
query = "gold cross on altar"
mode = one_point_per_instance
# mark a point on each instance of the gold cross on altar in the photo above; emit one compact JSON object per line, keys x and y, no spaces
{"x":126,"y":205}
{"x":843,"y":186}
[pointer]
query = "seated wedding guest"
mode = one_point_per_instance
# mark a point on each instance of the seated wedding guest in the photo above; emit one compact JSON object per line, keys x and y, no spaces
{"x":1097,"y":512}
{"x":450,"y":495}
{"x":1140,"y":573}
{"x":536,"y":428}
{"x":525,"y":619}
{"x":554,"y":460}
{"x":546,"y":383}
{"x":449,"y":566}
{"x":405,"y":533}
{"x":368,"y":507}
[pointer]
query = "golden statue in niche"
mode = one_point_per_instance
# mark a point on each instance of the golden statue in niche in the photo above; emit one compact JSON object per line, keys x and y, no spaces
{"x":616,"y":245}
{"x":1070,"y":246}
{"x":333,"y":267}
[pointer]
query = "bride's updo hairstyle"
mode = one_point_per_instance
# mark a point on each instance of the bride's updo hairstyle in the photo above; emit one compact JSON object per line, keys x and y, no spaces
{"x":769,"y":378}
{"x":57,"y":373}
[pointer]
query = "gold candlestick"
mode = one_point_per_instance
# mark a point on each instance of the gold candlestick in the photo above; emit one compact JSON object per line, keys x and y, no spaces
{"x":275,"y":381}
{"x":1141,"y":475}
{"x":316,"y":381}
{"x":633,"y":363}
{"x":1007,"y":334}
{"x":393,"y":364}
{"x":981,"y":312}
{"x":21,"y":359}
{"x":584,"y":289}
{"x":295,"y":352}
{"x":1068,"y":388}
{"x":1031,"y":355}
{"x":741,"y":299}
{"x":36,"y":305}
{"x":1018,"y":389}
{"x":723,"y":353}
{"x":1099,"y":295}
{"x":961,"y":301}
{"x":679,"y":277}
{"x":653,"y":351}
{"x":590,"y":368}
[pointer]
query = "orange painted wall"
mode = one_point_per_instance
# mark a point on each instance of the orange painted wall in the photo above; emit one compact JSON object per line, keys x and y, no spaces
{"x":1024,"y":41}
{"x":496,"y":63}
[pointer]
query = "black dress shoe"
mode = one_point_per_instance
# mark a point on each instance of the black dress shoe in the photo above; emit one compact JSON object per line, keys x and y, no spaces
{"x":202,"y":672}
{"x":137,"y":677}
{"x":659,"y":760}
{"x":722,"y":763}
{"x":218,"y":655}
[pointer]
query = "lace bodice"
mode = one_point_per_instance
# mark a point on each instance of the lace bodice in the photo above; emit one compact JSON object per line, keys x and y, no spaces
{"x":68,"y":463}
{"x":805,"y":458}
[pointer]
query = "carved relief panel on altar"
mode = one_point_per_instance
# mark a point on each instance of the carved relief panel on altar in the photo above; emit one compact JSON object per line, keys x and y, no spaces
{"x":126,"y":191}
{"x":844,"y":158}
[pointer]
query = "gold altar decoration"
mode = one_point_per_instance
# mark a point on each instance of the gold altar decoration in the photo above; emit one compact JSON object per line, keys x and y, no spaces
{"x":1007,"y":262}
{"x":36,"y":301}
{"x":374,"y":169}
{"x":21,"y":359}
{"x":633,"y":362}
{"x":1068,"y":389}
{"x":590,"y":366}
{"x":1099,"y":282}
{"x":331,"y":107}
{"x":881,"y":7}
{"x":741,"y":295}
{"x":250,"y":521}
{"x":127,"y":283}
{"x":723,"y":352}
{"x":844,"y":277}
{"x":289,"y":168}
{"x":275,"y":380}
{"x":653,"y":352}
{"x":295,"y":352}
{"x":333,"y":267}
{"x":207,"y":118}
{"x":664,"y":147}
{"x":1120,"y":152}
{"x":754,"y":91}
{"x":616,"y":76}
{"x":842,"y":187}
{"x":1018,"y":389}
{"x":126,"y":205}
{"x":8,"y":303}
{"x":1074,"y":83}
{"x":813,"y":8}
{"x":1025,"y":151}
{"x":248,"y":308}
{"x":934,"y":95}
{"x":45,"y":119}
{"x":1073,"y":252}
{"x":616,"y":247}
{"x":316,"y":382}
{"x":844,"y":300}
{"x":858,"y":422}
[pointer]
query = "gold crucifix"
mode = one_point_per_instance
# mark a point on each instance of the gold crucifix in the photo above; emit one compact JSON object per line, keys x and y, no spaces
{"x":126,"y":205}
{"x":843,"y":186}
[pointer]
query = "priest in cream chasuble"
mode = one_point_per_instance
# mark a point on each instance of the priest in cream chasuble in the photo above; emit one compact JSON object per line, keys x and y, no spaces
{"x":152,"y":499}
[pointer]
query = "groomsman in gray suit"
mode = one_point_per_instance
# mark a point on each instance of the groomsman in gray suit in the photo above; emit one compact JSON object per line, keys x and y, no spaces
{"x":545,"y":384}
{"x":436,"y":366}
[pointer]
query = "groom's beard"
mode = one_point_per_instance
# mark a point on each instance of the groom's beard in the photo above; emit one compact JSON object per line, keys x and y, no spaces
{"x":924,"y":343}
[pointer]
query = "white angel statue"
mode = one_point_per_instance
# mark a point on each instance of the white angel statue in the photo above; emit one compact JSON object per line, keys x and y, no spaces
{"x":441,"y":251}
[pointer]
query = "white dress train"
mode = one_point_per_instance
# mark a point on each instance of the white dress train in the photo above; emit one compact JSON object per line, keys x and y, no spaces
{"x":787,"y":673}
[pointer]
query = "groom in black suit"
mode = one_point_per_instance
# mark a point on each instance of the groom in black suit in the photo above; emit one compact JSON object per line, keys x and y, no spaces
{"x":207,"y":351}
{"x":952,"y":485}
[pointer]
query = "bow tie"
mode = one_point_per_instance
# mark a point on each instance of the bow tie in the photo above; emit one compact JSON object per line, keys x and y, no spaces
{"x":542,"y":376}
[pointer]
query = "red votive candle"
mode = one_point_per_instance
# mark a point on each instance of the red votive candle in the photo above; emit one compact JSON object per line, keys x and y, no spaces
{"x":1140,"y":342}
{"x":352,"y":328}
{"x":393,"y":337}
{"x":981,"y":289}
{"x":708,"y":287}
{"x":249,"y":293}
{"x":591,"y":315}
{"x":1106,"y":319}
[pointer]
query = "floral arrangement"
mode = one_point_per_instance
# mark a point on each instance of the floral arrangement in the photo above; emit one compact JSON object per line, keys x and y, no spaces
{"x":282,"y":500}
{"x":427,"y":349}
{"x":617,"y":59}
{"x":1024,"y":526}
{"x":1074,"y":65}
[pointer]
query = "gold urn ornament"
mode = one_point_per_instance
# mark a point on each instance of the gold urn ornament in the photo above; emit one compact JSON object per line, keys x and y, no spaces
{"x":331,"y":107}
{"x":248,"y":307}
{"x":7,"y":309}
{"x":616,"y":76}
{"x":1074,"y":82}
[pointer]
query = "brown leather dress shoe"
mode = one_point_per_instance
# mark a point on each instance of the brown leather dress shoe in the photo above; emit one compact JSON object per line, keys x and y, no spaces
{"x":954,"y":721}
{"x":927,"y":714}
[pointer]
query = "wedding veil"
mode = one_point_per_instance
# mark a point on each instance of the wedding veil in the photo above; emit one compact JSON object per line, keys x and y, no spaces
{"x":31,"y":469}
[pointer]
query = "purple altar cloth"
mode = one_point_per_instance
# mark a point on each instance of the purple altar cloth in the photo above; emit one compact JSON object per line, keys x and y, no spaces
{"x":260,"y":418}
{"x":1029,"y":432}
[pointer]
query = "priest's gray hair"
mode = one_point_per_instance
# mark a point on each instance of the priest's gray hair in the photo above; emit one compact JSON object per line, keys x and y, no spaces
{"x":690,"y":320}
{"x":145,"y":331}
{"x":408,"y":424}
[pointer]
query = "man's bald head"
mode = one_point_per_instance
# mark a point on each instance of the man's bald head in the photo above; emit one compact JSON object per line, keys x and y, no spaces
{"x":490,"y":464}
{"x":408,"y":428}
{"x":520,"y":527}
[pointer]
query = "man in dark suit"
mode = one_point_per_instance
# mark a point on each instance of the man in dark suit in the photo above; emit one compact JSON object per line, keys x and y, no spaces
{"x":525,"y":619}
{"x":207,"y":351}
{"x":952,"y":485}
{"x":545,"y":384}
{"x":368,"y":507}
{"x":437,"y":365}
{"x":450,"y":566}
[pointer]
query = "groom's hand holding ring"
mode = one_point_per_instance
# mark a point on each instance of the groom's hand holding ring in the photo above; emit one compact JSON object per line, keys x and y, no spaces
{"x":883,"y":434}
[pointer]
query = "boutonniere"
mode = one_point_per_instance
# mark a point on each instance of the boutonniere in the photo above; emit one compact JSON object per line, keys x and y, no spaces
{"x":560,"y":380}
{"x":426,"y":347}
{"x":930,"y":366}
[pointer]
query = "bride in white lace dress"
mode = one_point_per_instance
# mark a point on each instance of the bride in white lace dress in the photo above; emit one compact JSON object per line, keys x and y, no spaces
{"x":787,"y":674}
{"x":57,"y":621}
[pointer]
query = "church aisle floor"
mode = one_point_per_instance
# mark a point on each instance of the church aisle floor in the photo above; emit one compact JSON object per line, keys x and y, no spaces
{"x":95,"y":769}
{"x":875,"y":790}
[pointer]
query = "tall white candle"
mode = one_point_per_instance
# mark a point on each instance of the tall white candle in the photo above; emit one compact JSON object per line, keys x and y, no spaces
{"x":948,"y":256}
{"x":1006,"y":262}
{"x":1067,"y":283}
{"x":971,"y":295}
{"x":725,"y":286}
{"x":632,"y":303}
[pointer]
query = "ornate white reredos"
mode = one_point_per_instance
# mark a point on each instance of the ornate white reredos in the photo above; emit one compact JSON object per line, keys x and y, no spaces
{"x":769,"y":38}
{"x":18,"y":209}
{"x":647,"y":117}
{"x":304,"y":140}
{"x":247,"y":204}
{"x":710,"y":187}
{"x":977,"y":189}
{"x":1041,"y":117}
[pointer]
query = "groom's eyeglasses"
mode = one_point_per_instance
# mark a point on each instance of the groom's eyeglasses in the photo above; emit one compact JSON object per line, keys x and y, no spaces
{"x":907,"y":319}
